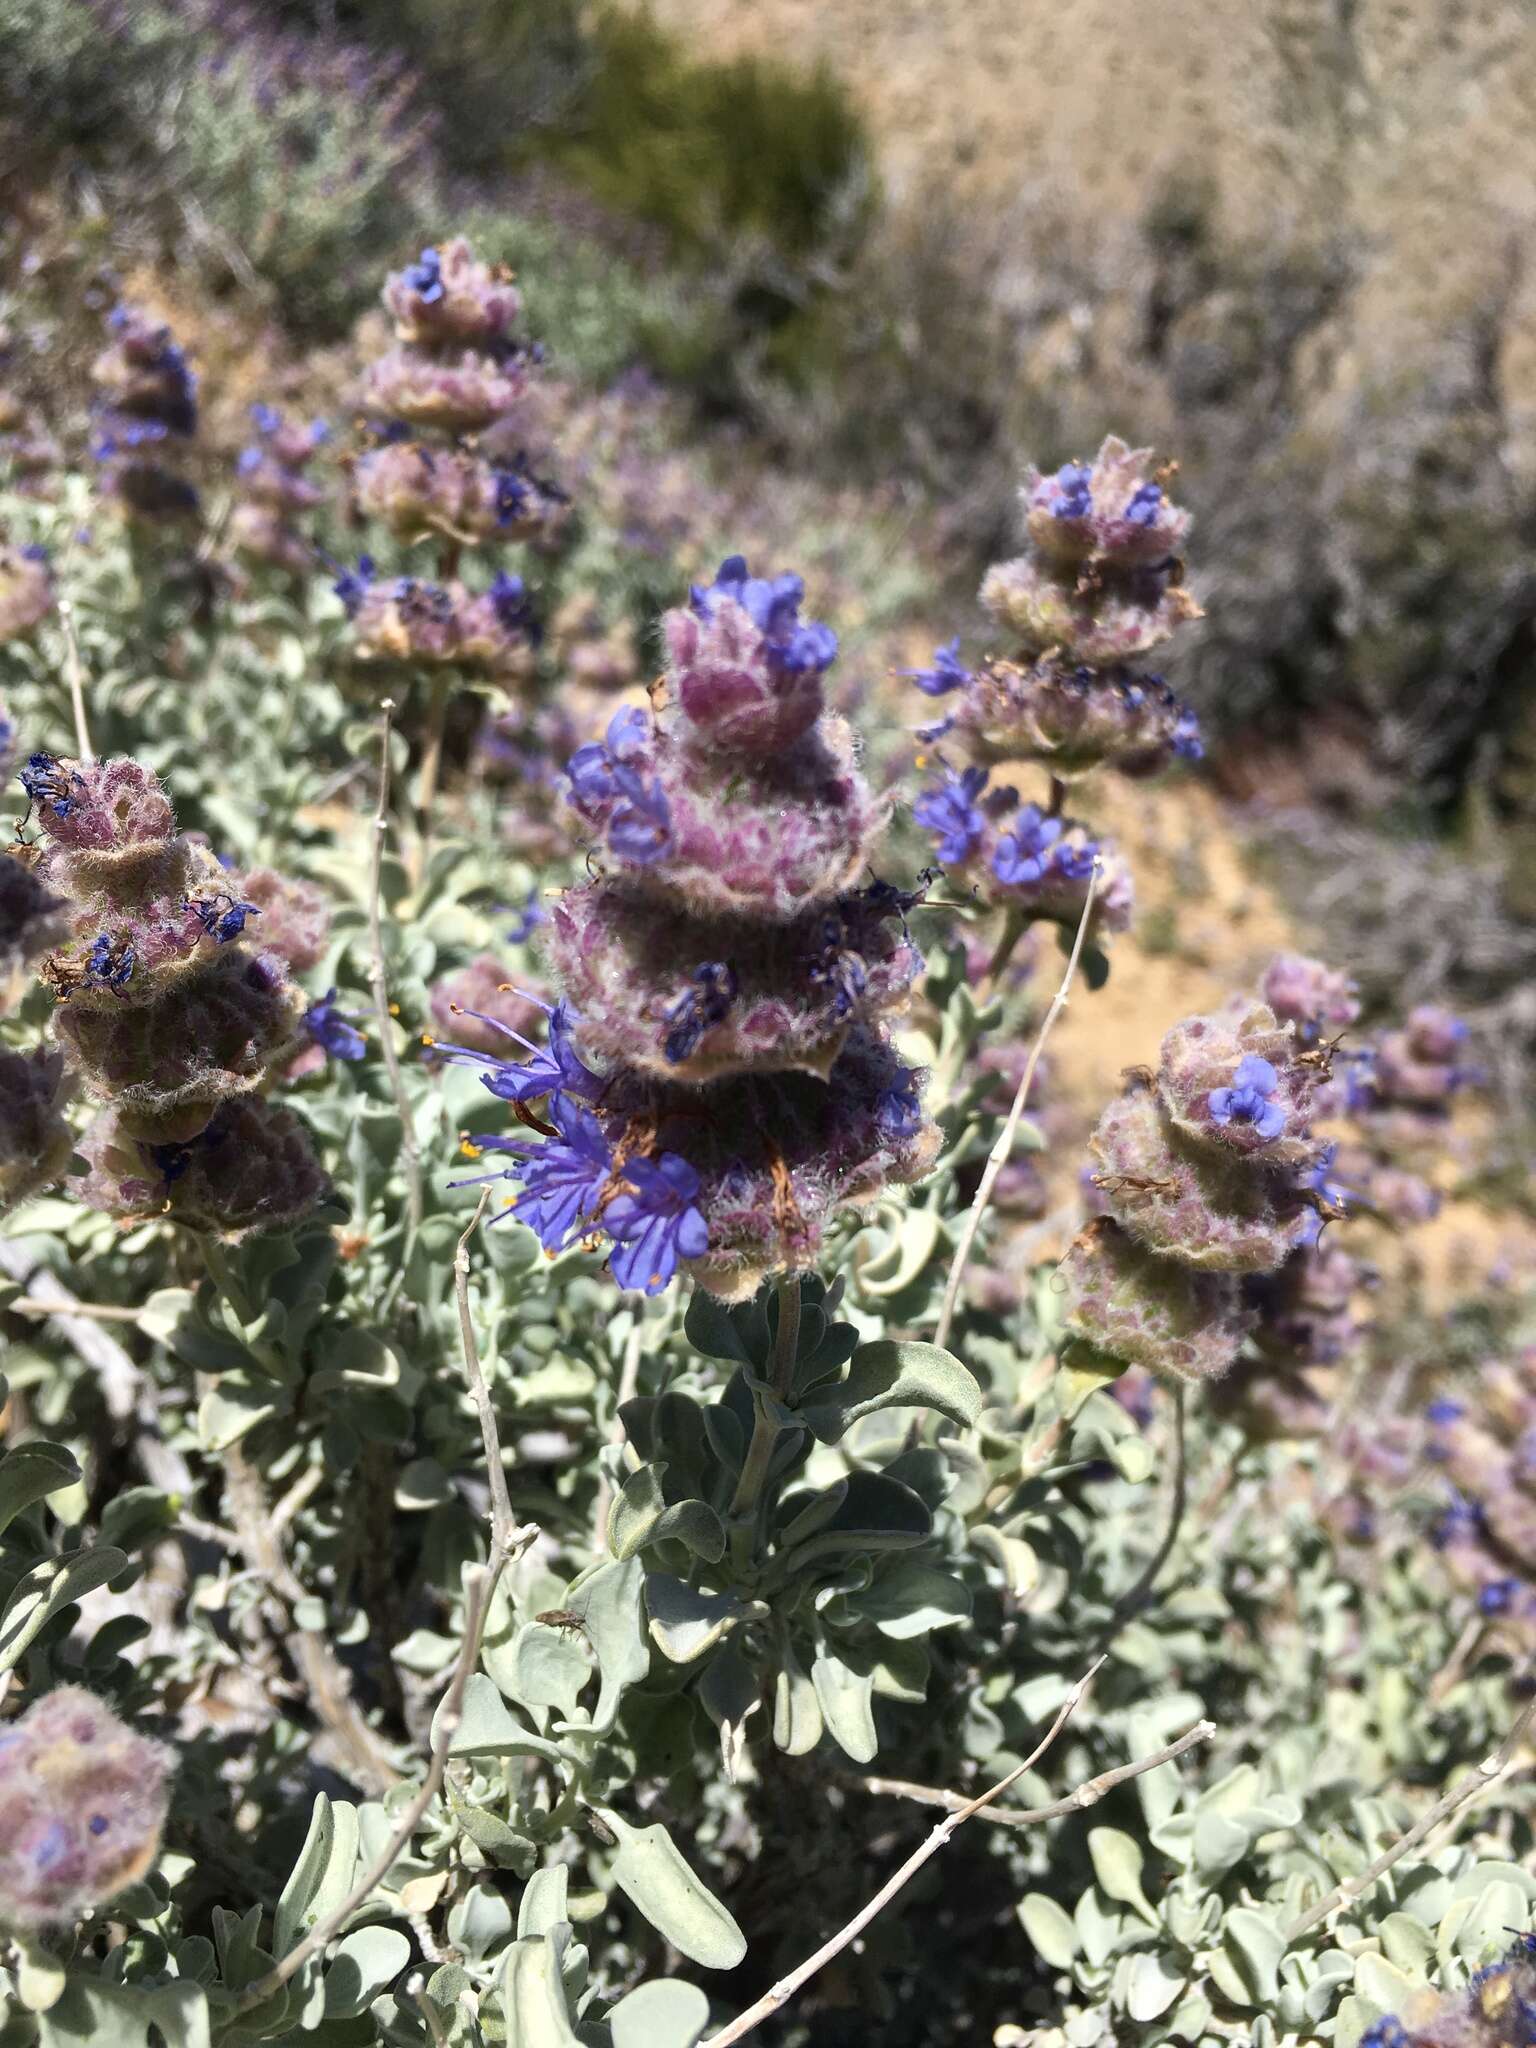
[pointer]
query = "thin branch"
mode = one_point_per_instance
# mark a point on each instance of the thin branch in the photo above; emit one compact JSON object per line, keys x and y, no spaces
{"x":74,"y":671}
{"x":1485,"y":1775}
{"x":503,"y":1531}
{"x":431,"y":773}
{"x":101,"y":1312}
{"x":480,"y":1583}
{"x":785,"y":1989}
{"x":997,"y":1159}
{"x":378,"y":976}
{"x":1130,"y":1603}
{"x":1086,"y":1795}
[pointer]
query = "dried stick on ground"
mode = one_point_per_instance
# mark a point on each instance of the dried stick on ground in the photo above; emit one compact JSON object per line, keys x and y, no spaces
{"x":772,"y":2001}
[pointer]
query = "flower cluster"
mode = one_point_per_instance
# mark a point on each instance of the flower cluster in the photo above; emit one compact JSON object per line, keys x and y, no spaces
{"x":27,"y":595}
{"x":457,"y":369}
{"x":273,"y":492}
{"x":1099,"y":586}
{"x":1208,"y":1171}
{"x":1022,"y":858}
{"x":1395,"y":1097}
{"x":717,"y":1077}
{"x":162,"y":1005}
{"x":82,"y":1803}
{"x":413,"y":621}
{"x":145,"y":418}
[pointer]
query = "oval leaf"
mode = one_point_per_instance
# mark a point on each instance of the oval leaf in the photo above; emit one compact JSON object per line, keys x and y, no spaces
{"x":890,"y":1374}
{"x":649,"y":1869}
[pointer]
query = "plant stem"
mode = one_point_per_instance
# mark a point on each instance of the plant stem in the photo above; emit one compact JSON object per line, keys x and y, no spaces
{"x":378,"y":975}
{"x":502,"y":1521}
{"x":781,"y":1993}
{"x":765,"y":1434}
{"x":431,"y":774}
{"x":1086,"y":1795}
{"x":75,"y":673}
{"x":997,"y":1159}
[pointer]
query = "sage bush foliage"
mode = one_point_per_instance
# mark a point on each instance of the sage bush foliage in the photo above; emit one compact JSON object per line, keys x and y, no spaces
{"x":545,"y":1444}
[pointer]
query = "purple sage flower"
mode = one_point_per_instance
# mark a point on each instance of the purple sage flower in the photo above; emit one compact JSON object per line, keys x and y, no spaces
{"x":655,"y":1222}
{"x":563,"y":1178}
{"x":1247,"y":1101}
{"x":1025,"y":853}
{"x":555,"y":1070}
{"x":953,"y":815}
{"x":947,"y":673}
{"x":331,"y":1030}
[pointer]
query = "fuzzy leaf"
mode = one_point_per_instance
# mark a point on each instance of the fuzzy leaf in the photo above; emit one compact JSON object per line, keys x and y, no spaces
{"x":1050,"y":1930}
{"x":547,"y":1669}
{"x":533,"y":1996}
{"x":650,"y":1870}
{"x":487,"y":1729}
{"x":323,"y":1875}
{"x":797,"y":1722}
{"x":640,"y":1516}
{"x":1152,"y":1984}
{"x":31,"y":1471}
{"x":686,"y":1622}
{"x":845,"y":1697}
{"x":1117,"y":1864}
{"x":608,"y":1601}
{"x":38,"y":1597}
{"x":662,"y":2014}
{"x":365,"y":1962}
{"x":543,"y":1904}
{"x":888,"y":1374}
{"x":1254,"y":1942}
{"x":93,"y":2012}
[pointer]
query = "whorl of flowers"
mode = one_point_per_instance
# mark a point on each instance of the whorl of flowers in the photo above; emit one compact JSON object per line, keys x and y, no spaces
{"x":1208,"y":1170}
{"x":82,"y":1804}
{"x":1022,"y":858}
{"x":27,"y":595}
{"x":145,"y":416}
{"x":457,"y":368}
{"x":439,"y":625}
{"x":1099,"y":586}
{"x":163,"y":1006}
{"x":725,"y":973}
{"x":273,"y":492}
